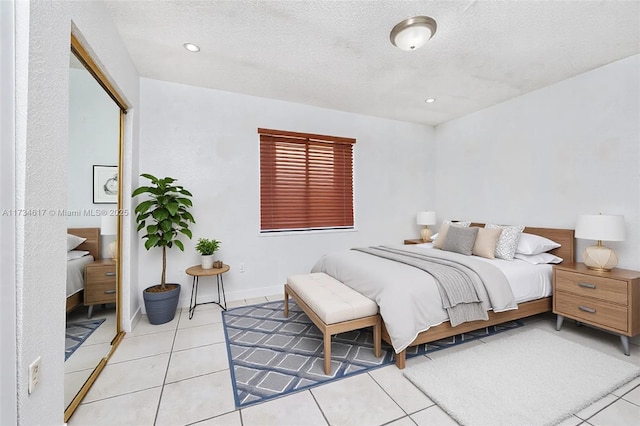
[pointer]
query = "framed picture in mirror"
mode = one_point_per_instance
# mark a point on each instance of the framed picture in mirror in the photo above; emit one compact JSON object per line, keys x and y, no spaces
{"x":105,"y":184}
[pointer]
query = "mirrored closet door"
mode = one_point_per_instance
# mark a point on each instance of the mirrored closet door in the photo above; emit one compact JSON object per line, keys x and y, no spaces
{"x":93,"y":225}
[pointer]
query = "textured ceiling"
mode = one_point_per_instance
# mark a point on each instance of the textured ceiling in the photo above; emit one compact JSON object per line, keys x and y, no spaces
{"x":337,"y":54}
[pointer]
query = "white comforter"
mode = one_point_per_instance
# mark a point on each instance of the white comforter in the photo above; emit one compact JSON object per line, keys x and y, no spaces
{"x":75,"y":274}
{"x":408,"y":297}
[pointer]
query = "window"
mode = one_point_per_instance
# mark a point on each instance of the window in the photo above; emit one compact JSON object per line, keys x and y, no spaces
{"x":306,"y":181}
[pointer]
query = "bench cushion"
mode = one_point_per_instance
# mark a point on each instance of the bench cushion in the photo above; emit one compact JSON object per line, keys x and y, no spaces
{"x":331,"y":300}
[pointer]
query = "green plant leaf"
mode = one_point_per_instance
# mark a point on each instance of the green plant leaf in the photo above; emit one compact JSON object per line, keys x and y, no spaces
{"x":179,"y":244}
{"x":160,"y":214}
{"x":143,"y":206}
{"x":186,"y":232}
{"x":141,"y":190}
{"x":185,"y":201}
{"x":166,"y":225}
{"x":140,"y":226}
{"x":172,"y":206}
{"x":187,"y":216}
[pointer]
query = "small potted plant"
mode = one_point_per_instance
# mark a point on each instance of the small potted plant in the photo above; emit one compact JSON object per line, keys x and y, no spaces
{"x":207,"y":248}
{"x":164,"y":216}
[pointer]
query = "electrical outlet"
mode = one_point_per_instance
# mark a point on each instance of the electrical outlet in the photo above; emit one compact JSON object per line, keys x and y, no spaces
{"x":242,"y":268}
{"x":34,"y":375}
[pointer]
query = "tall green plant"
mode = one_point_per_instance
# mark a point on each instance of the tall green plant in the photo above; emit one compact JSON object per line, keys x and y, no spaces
{"x":164,"y":216}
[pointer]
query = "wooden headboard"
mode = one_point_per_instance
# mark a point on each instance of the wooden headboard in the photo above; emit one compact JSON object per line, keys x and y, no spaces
{"x":92,"y":243}
{"x":565,"y":237}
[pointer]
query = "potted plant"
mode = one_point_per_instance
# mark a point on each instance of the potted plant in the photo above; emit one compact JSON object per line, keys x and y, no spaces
{"x":164,"y":216}
{"x":206,"y":248}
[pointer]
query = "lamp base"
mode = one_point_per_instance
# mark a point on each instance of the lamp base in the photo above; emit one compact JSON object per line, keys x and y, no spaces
{"x":426,"y":234}
{"x":112,"y":250}
{"x":599,"y":258}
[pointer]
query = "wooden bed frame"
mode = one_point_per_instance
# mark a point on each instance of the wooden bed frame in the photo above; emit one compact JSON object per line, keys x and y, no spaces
{"x":565,"y":237}
{"x":92,"y":245}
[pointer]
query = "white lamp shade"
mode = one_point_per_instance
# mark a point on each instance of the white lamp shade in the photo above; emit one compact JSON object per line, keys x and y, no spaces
{"x":426,"y":218}
{"x":108,"y":225}
{"x":600,"y":227}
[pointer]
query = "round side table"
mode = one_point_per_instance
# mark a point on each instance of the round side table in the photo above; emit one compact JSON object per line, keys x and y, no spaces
{"x":196,"y":272}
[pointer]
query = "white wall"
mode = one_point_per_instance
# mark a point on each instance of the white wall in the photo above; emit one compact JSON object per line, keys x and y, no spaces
{"x":545,"y":157}
{"x":42,"y":115}
{"x":208,"y":140}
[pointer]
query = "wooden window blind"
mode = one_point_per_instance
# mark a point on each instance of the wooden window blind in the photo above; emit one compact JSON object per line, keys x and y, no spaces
{"x":306,"y":181}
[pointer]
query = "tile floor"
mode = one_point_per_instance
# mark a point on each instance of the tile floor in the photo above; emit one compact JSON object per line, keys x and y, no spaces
{"x":82,"y":362}
{"x":178,"y":374}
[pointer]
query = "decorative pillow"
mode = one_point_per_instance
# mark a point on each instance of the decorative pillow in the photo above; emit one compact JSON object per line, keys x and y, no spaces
{"x":460,"y":223}
{"x":486,"y":241}
{"x":76,"y":254}
{"x":442,"y":233}
{"x":460,"y":240}
{"x":74,"y":241}
{"x":508,"y":241}
{"x":538,"y":258}
{"x":534,"y":244}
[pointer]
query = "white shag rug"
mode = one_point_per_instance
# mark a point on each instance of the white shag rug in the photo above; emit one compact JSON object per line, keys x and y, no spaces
{"x":533,"y":378}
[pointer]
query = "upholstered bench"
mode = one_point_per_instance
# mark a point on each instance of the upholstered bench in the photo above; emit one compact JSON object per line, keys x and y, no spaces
{"x":333,"y":307}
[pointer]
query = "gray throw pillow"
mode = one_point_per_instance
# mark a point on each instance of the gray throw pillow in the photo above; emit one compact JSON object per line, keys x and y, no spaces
{"x":460,"y":240}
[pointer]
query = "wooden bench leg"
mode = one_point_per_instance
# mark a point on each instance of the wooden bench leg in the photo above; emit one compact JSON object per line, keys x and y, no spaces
{"x":401,"y":359}
{"x":327,"y":353}
{"x":286,"y":302}
{"x":377,"y":339}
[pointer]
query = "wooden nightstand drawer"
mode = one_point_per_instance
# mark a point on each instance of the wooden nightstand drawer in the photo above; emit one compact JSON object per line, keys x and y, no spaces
{"x":100,"y":292}
{"x":106,"y":273}
{"x":608,"y":289}
{"x":591,"y":310}
{"x":100,"y":282}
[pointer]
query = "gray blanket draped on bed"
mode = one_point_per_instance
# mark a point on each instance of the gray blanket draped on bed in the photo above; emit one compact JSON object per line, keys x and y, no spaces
{"x":456,"y":282}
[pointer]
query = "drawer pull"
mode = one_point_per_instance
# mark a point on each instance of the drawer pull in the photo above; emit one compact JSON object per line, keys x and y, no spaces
{"x":586,"y":309}
{"x":109,"y":292}
{"x":587,"y":285}
{"x":110,"y":274}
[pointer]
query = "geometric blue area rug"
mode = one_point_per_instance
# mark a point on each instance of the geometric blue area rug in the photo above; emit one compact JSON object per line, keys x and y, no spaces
{"x":271,"y":356}
{"x":77,"y":332}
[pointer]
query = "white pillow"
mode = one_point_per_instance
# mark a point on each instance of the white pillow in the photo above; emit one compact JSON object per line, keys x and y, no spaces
{"x":538,"y":258}
{"x":534,"y":244}
{"x":74,"y":241}
{"x":508,"y":241}
{"x":76,"y":254}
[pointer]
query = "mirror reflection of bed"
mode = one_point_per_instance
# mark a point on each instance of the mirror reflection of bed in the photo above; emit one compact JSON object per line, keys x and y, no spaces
{"x":90,"y":328}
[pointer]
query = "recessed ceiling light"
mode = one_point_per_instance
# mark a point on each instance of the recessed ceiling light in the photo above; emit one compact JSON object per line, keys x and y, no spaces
{"x":413,"y":33}
{"x":430,"y":100}
{"x":191,"y":47}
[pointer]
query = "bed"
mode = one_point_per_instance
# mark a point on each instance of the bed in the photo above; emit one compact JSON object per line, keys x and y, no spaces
{"x":75,"y":266}
{"x":358,"y":270}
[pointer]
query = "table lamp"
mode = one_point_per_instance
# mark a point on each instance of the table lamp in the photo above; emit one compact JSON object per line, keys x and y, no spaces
{"x":109,"y":226}
{"x":426,"y":218}
{"x":600,"y":227}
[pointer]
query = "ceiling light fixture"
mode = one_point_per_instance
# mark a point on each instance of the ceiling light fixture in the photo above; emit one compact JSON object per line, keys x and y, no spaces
{"x":191,"y":47}
{"x":430,"y":100}
{"x":413,"y":32}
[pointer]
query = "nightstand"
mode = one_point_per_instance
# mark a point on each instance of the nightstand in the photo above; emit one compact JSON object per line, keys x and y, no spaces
{"x":607,"y":300}
{"x":99,"y":283}
{"x":416,"y":241}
